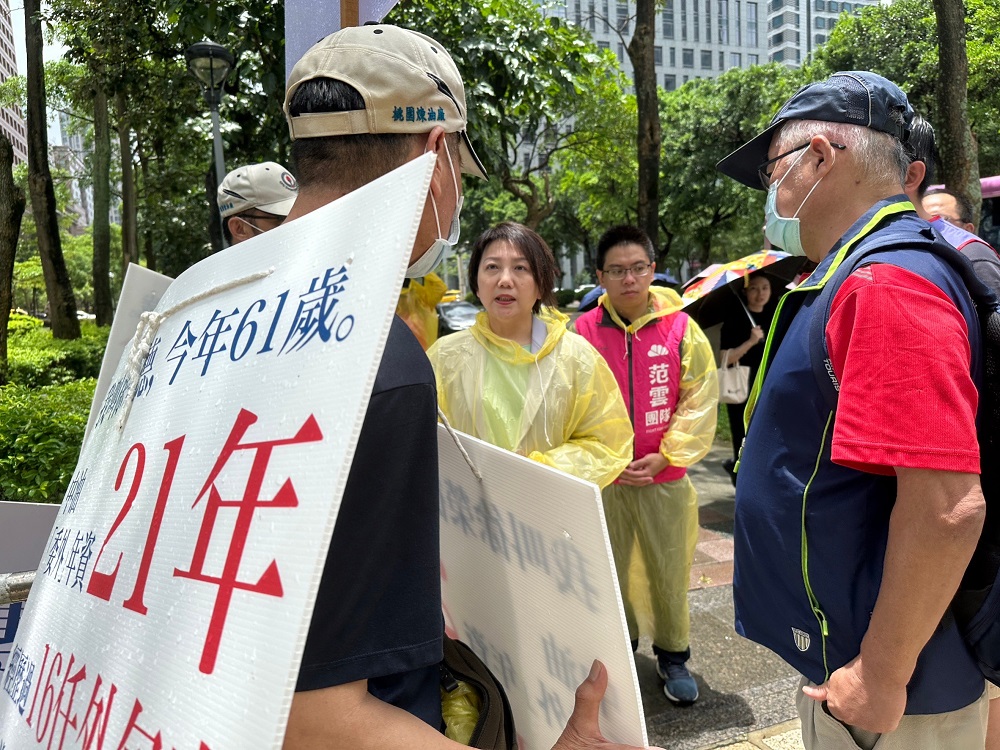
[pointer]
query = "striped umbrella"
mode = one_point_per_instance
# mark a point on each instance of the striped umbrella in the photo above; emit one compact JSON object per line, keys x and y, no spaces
{"x":706,"y":295}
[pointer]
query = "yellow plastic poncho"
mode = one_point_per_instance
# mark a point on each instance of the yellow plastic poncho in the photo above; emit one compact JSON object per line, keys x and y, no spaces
{"x":417,"y":306}
{"x":692,"y":426}
{"x":559,"y":406}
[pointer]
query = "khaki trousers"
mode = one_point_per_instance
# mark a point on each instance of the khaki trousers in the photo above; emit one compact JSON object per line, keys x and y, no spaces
{"x":964,"y":729}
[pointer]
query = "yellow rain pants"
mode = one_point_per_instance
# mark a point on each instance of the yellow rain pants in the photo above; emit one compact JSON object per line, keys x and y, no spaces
{"x":653,"y":532}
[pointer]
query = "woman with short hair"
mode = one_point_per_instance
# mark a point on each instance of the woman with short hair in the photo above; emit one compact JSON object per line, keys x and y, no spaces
{"x":518,"y":378}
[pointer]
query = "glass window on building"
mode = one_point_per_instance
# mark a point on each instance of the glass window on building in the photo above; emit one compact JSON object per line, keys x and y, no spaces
{"x":607,"y":16}
{"x":706,"y":59}
{"x":697,"y":20}
{"x":673,"y":57}
{"x":684,"y":20}
{"x":820,"y":23}
{"x":603,"y":45}
{"x":621,"y":52}
{"x":735,"y":60}
{"x":577,"y":14}
{"x":658,"y":56}
{"x":623,"y":20}
{"x":752,"y":40}
{"x":820,"y":5}
{"x":738,"y":21}
{"x":722,"y":60}
{"x":753,"y":59}
{"x":685,"y":79}
{"x":668,"y":19}
{"x":687,"y":58}
{"x":820,"y":39}
{"x":592,"y":18}
{"x":833,"y":6}
{"x":723,"y":21}
{"x":708,"y":20}
{"x":670,"y":82}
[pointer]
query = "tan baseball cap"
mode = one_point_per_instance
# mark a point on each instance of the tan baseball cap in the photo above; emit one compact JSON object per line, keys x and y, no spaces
{"x":268,"y":187}
{"x":408,"y":81}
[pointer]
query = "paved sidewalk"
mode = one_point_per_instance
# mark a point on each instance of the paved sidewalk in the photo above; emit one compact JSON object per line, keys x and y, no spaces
{"x":747,"y":693}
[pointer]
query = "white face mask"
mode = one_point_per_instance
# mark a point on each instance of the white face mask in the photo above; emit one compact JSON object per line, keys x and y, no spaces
{"x":433,"y":255}
{"x":780,"y":231}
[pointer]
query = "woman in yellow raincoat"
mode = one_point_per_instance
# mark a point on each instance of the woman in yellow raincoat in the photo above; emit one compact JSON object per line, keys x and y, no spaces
{"x":518,"y":378}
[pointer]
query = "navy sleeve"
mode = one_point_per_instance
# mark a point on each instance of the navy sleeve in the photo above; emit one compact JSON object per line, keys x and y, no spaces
{"x":378,"y":610}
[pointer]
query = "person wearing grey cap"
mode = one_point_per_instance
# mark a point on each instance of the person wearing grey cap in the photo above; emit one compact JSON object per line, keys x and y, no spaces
{"x":254,"y":199}
{"x":360,"y":103}
{"x":858,"y":502}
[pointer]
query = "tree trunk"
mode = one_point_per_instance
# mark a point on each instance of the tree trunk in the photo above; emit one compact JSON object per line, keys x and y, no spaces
{"x":103,"y":303}
{"x":62,"y":305}
{"x":130,"y":243}
{"x":959,"y":160}
{"x":11,"y":210}
{"x":640,"y":52}
{"x":148,"y":252}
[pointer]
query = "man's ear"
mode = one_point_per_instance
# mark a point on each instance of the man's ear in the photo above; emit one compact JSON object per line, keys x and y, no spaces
{"x":823,"y":153}
{"x":435,"y":144}
{"x":915,"y":174}
{"x":237,"y":229}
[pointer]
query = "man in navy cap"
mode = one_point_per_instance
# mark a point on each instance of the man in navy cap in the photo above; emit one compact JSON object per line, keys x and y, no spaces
{"x":858,"y":504}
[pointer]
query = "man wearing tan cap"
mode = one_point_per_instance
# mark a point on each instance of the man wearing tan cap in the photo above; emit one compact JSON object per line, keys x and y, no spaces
{"x":254,"y":199}
{"x":360,"y":103}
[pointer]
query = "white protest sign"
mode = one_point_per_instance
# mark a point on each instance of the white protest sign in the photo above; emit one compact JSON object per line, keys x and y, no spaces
{"x":528,"y":582}
{"x":177,"y":589}
{"x":24,"y":527}
{"x":141,"y":291}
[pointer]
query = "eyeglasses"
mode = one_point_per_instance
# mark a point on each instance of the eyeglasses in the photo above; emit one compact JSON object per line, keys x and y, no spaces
{"x":638,"y":270}
{"x":765,"y":176}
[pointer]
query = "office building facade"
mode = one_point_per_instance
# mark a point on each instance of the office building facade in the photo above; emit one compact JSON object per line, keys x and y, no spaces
{"x":796,"y":28}
{"x":11,"y":119}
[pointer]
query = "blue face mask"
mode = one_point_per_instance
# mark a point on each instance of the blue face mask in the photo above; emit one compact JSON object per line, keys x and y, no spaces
{"x":780,"y":231}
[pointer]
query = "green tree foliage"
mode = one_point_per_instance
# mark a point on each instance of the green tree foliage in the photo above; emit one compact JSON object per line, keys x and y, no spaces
{"x":529,"y":81}
{"x":707,"y":216}
{"x":899,"y":41}
{"x":41,"y":431}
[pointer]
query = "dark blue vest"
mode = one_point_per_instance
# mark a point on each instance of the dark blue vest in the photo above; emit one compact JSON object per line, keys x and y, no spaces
{"x":810,"y":535}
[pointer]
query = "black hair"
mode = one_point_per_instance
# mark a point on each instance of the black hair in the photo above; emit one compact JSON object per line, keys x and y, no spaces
{"x":920,"y":147}
{"x":623,"y":234}
{"x":347,"y":161}
{"x":539,"y":255}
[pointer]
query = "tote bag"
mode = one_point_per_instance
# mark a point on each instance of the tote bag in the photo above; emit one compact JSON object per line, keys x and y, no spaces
{"x":734,"y":382}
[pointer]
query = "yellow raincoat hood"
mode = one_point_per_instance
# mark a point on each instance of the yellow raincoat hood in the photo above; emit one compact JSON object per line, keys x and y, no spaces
{"x":559,"y":406}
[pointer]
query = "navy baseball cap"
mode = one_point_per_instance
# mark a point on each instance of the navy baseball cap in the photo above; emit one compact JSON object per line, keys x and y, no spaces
{"x":852,"y":97}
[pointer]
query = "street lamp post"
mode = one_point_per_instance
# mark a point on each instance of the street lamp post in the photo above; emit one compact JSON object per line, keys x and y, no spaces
{"x":210,"y":63}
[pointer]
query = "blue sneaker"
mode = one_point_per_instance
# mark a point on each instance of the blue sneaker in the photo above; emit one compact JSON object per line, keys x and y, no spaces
{"x":678,"y":684}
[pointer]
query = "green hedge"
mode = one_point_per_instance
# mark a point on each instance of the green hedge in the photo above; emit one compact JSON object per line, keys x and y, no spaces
{"x":35,"y":359}
{"x":41,"y":430}
{"x":564,"y":297}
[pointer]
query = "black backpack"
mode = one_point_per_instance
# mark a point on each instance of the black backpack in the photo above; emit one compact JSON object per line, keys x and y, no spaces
{"x":976,"y":606}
